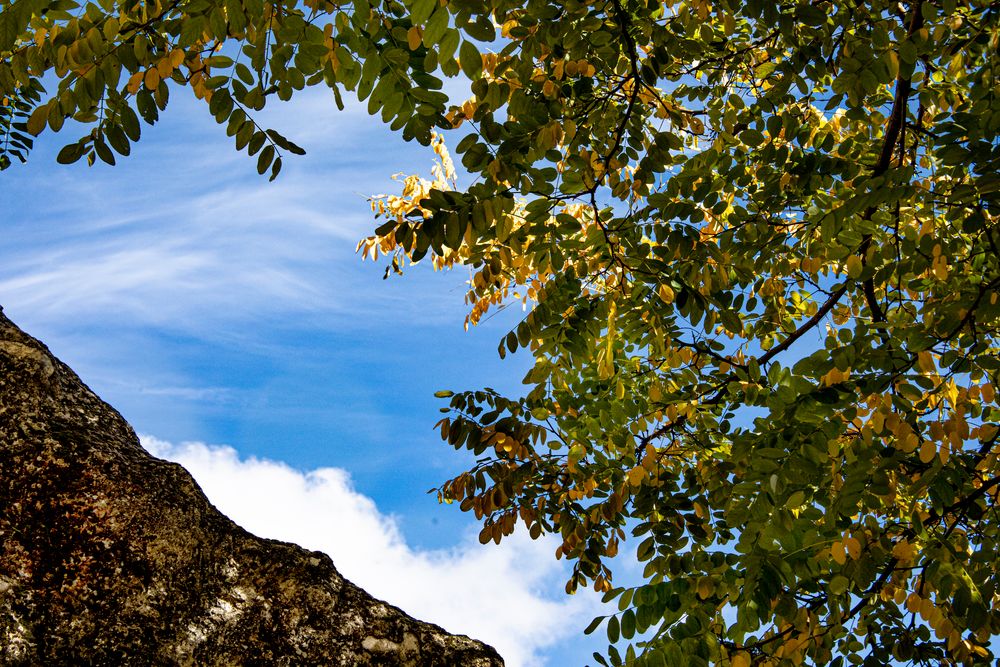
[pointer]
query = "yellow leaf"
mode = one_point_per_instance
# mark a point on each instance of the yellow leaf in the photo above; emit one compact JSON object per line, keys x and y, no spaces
{"x":741,"y":659}
{"x":906,"y":439}
{"x":666,"y":293}
{"x":152,"y":78}
{"x":903,"y":551}
{"x":134,"y":83}
{"x":925,"y":360}
{"x":605,"y":363}
{"x":892,"y":62}
{"x":835,"y":376}
{"x":506,"y":27}
{"x":943,"y":627}
{"x":853,"y":547}
{"x":838,"y":552}
{"x":636,"y":475}
{"x":940,"y":268}
{"x":927,"y":451}
{"x":165,"y":67}
{"x":414,"y":37}
{"x":558,"y":69}
{"x":177,"y":57}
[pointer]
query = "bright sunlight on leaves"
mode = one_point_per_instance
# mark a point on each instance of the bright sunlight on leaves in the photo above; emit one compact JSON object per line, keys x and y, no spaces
{"x":757,"y":246}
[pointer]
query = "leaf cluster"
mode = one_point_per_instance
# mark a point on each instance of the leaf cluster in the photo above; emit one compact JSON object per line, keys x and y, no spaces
{"x":757,"y":247}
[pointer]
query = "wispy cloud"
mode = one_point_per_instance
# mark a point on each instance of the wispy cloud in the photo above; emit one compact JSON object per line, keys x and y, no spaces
{"x":508,"y":596}
{"x":186,"y":236}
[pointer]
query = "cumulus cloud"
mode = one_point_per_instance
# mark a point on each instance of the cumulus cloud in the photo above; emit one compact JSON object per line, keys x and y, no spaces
{"x":508,"y":596}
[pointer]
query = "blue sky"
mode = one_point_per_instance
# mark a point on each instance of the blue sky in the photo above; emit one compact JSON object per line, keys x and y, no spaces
{"x":232,"y":324}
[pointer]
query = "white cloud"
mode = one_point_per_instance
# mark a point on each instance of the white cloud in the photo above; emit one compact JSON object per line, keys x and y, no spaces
{"x":185,"y":236}
{"x":508,"y":596}
{"x":221,"y":256}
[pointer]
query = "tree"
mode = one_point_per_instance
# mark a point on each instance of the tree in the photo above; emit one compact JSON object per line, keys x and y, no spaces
{"x":759,"y":245}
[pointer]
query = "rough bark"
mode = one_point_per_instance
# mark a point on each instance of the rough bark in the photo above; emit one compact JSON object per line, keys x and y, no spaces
{"x":109,"y":556}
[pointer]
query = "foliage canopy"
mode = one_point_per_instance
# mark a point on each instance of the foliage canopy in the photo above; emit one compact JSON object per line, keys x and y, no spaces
{"x":759,"y":245}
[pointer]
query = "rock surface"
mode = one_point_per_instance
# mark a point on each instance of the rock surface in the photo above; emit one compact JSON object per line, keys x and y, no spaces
{"x":109,"y":556}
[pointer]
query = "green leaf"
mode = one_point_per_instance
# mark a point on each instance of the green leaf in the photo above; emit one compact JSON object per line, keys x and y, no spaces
{"x":256,"y":142}
{"x":103,"y":152}
{"x":628,"y":624}
{"x":614,"y":629}
{"x":470,"y":60}
{"x":435,"y":29}
{"x":71,"y":153}
{"x":421,"y":10}
{"x":265,"y":158}
{"x":275,"y":169}
{"x":593,"y":625}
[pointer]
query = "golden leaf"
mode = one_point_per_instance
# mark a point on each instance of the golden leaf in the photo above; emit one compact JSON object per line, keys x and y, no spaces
{"x":134,"y":83}
{"x":165,"y":67}
{"x":927,"y":451}
{"x":940,"y":268}
{"x":925,"y":360}
{"x":903,"y":551}
{"x":926,"y":609}
{"x":853,"y":547}
{"x":838,"y":552}
{"x":414,"y":37}
{"x":152,"y":78}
